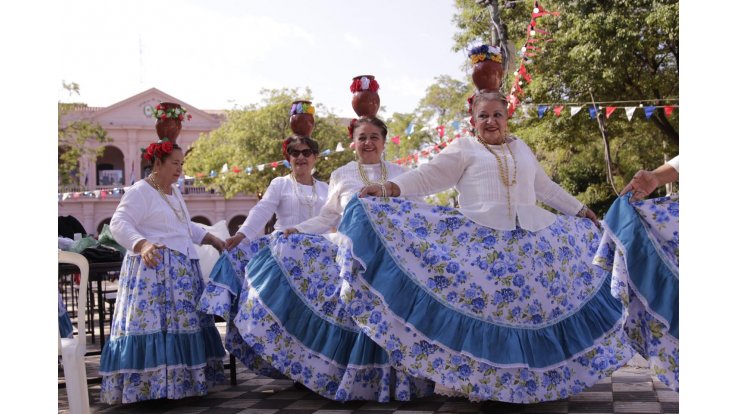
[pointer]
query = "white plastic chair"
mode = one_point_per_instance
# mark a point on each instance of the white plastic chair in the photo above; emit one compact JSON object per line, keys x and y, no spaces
{"x":72,"y":350}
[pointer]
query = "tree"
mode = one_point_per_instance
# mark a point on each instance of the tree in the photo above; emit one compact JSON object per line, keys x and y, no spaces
{"x":252,"y":136}
{"x":617,"y":50}
{"x":75,"y":137}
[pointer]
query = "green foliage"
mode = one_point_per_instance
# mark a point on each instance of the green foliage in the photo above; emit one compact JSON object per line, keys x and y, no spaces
{"x":74,"y":138}
{"x":252,"y":136}
{"x":615,"y":50}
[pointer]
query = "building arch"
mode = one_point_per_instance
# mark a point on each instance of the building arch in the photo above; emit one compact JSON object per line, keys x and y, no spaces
{"x":202,"y":220}
{"x":234,"y":224}
{"x":110,"y":167}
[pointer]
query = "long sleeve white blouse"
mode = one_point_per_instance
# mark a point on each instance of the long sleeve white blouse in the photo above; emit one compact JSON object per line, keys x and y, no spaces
{"x":143,"y":214}
{"x":471,"y":168}
{"x":281,"y":198}
{"x":344,"y":183}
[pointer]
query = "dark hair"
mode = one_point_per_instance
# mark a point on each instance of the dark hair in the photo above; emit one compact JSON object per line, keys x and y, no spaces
{"x":295,"y":140}
{"x":368,"y":120}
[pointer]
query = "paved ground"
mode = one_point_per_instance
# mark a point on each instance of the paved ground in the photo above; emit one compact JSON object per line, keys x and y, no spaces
{"x":631,"y":390}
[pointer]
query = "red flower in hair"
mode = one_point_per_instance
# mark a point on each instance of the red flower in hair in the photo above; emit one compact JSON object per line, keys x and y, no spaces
{"x":351,"y":127}
{"x":167,"y":147}
{"x":283,"y":149}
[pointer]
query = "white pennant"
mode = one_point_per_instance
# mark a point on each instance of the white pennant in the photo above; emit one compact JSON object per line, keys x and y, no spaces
{"x":339,"y":147}
{"x":224,"y":168}
{"x":630,"y":112}
{"x":574,"y":110}
{"x":261,"y":167}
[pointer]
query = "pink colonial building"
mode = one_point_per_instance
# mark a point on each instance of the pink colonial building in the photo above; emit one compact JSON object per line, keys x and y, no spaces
{"x":130,"y":124}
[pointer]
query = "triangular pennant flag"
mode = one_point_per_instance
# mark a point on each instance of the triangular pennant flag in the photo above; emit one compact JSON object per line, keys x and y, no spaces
{"x":212,"y":173}
{"x":649,"y":110}
{"x":261,"y":167}
{"x":541,"y":109}
{"x":609,"y":111}
{"x":668,"y":110}
{"x":410,"y":128}
{"x":274,"y":164}
{"x":558,"y":109}
{"x":249,"y":170}
{"x":574,"y":110}
{"x":630,"y":112}
{"x":592,"y":111}
{"x":396,"y":140}
{"x":236,"y":170}
{"x":339,"y":147}
{"x":456,"y":125}
{"x":224,"y":168}
{"x":441,"y":130}
{"x":287,"y":164}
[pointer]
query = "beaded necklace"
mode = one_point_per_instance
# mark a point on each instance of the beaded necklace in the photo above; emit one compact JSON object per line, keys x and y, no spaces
{"x":364,"y":176}
{"x":504,"y":169}
{"x":302,"y":198}
{"x":180,"y":214}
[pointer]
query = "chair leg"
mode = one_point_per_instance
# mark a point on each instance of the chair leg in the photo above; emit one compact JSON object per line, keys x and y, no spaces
{"x":75,"y":377}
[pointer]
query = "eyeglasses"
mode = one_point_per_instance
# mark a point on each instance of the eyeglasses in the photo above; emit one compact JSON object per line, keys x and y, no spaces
{"x":305,"y":152}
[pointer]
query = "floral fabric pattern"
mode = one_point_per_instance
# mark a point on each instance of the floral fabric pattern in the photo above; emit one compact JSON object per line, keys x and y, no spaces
{"x":649,"y":333}
{"x":303,"y":268}
{"x":155,"y":316}
{"x":482,"y":283}
{"x":221,"y":298}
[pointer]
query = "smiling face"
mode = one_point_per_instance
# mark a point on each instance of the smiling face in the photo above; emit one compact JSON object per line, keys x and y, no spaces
{"x":491,"y":121}
{"x":169,"y":170}
{"x":369,"y":142}
{"x":301,"y":163}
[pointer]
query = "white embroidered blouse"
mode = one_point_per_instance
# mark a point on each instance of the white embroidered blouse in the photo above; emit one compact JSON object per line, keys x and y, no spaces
{"x":291,"y":203}
{"x":143,"y":214}
{"x":345,"y":182}
{"x":473,"y":170}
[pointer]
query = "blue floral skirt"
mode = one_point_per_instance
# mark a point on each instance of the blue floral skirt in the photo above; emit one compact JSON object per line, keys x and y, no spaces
{"x":160,"y":346}
{"x":515,"y":316}
{"x":222,"y":295}
{"x":290,"y":314}
{"x":640,"y":246}
{"x":66,"y":330}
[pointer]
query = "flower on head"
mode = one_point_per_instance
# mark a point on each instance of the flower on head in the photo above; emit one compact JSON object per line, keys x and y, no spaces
{"x":351,"y":127}
{"x":364,"y":83}
{"x":179,"y":113}
{"x":157,"y":149}
{"x":485,"y":52}
{"x":302,"y":108}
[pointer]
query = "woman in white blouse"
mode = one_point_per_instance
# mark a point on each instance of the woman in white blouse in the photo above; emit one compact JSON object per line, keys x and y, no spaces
{"x":497,"y":299}
{"x":292,"y":316}
{"x":293,"y":198}
{"x":160,"y":284}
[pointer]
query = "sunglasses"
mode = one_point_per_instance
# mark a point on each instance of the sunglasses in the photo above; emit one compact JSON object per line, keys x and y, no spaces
{"x":305,"y":152}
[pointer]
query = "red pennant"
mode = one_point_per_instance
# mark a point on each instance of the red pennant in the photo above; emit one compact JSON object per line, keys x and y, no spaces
{"x":236,"y":170}
{"x":558,"y":109}
{"x":396,"y":140}
{"x":199,"y":175}
{"x":609,"y":111}
{"x":522,"y":72}
{"x":275,"y":164}
{"x":668,"y":110}
{"x":441,"y":130}
{"x":103,"y":194}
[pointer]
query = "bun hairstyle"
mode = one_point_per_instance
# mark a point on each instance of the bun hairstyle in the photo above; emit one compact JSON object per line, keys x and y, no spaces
{"x":368,"y":120}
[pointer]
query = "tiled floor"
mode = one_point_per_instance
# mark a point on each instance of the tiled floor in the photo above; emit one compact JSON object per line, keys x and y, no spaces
{"x":631,"y":390}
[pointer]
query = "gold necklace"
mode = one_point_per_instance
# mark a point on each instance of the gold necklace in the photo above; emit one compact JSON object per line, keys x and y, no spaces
{"x":180,"y":214}
{"x":298,"y":193}
{"x":504,"y":169}
{"x":364,"y":176}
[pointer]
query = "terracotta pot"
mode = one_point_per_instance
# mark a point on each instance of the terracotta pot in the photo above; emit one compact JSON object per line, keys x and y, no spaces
{"x":168,"y":127}
{"x":366,"y":102}
{"x":488,"y":75}
{"x":302,"y":124}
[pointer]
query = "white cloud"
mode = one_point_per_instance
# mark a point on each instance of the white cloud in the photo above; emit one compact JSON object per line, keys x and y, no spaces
{"x":353,"y":41}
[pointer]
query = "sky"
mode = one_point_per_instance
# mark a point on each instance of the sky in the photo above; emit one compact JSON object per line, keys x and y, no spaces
{"x":219,"y":54}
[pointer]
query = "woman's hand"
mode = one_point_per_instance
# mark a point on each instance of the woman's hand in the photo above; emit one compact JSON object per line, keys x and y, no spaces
{"x":388,"y":189}
{"x":214,"y":241}
{"x":643,"y":183}
{"x":234,"y":241}
{"x":150,"y":253}
{"x":291,"y":230}
{"x":591,"y":215}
